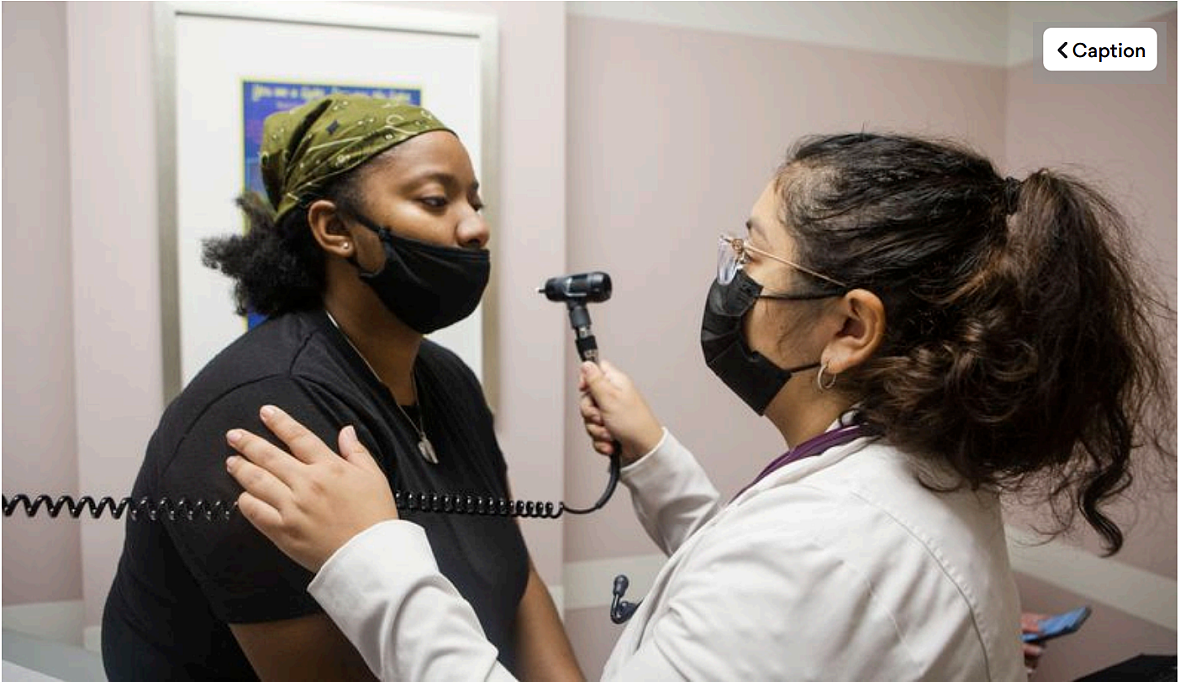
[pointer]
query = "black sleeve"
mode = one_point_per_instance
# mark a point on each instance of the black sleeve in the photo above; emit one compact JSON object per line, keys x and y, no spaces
{"x":245,"y":578}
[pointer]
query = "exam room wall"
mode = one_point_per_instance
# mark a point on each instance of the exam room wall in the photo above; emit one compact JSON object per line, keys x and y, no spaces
{"x":672,"y":135}
{"x":42,"y":557}
{"x":1123,"y":138}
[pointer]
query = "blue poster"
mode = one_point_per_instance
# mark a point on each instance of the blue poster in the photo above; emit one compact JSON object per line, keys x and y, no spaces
{"x":263,"y":98}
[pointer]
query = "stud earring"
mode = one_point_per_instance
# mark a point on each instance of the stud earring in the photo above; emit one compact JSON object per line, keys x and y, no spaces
{"x":346,"y":246}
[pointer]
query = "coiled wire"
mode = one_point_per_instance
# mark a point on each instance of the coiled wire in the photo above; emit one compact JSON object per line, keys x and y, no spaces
{"x":144,"y":508}
{"x":199,"y":509}
{"x":192,"y":510}
{"x":477,"y":505}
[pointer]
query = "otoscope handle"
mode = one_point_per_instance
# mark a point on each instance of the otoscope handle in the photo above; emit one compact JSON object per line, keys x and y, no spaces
{"x":617,"y":449}
{"x":576,"y":291}
{"x":588,"y":350}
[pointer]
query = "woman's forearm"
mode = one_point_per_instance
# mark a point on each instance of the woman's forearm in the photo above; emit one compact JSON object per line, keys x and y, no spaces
{"x":543,"y":650}
{"x":385,"y":593}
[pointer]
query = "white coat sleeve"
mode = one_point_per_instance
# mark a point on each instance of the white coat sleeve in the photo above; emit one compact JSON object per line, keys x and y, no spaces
{"x":385,"y":593}
{"x":671,"y":493}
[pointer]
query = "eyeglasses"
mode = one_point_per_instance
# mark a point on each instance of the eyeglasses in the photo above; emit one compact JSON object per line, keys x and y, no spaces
{"x":733,"y":254}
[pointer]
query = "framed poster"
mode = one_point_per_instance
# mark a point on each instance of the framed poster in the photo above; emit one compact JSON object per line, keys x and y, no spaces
{"x":223,"y":67}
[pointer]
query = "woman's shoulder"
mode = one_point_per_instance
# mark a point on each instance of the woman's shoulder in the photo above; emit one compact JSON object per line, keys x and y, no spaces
{"x":440,"y":357}
{"x":269,"y":347}
{"x":893,"y":514}
{"x":445,"y":367}
{"x":281,"y":354}
{"x":917,"y":550}
{"x":912,"y":496}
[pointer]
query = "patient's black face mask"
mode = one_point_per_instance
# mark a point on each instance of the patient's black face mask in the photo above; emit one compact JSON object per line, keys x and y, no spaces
{"x":427,"y":286}
{"x":755,"y":379}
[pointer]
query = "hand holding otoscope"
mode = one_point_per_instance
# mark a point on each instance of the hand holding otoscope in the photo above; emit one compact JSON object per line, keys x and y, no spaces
{"x":576,"y":291}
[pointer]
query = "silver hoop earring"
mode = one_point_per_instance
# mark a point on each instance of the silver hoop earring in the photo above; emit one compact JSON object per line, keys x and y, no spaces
{"x":819,"y":378}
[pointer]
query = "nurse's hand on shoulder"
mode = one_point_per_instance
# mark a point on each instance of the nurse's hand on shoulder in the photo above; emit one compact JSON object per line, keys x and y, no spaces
{"x":613,"y":409}
{"x":310,"y":502}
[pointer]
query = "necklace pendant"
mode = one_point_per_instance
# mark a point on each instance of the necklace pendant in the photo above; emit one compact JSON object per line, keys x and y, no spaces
{"x":427,"y":449}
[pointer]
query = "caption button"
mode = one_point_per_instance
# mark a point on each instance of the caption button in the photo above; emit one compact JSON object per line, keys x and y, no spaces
{"x":1099,"y":49}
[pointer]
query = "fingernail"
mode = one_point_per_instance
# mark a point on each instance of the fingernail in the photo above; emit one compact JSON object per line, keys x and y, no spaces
{"x":267,"y":411}
{"x":234,"y":436}
{"x":230,"y":463}
{"x":350,"y":431}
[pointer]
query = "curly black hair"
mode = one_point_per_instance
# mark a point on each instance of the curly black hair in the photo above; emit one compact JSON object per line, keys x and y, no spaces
{"x":278,"y":267}
{"x":1022,"y":345}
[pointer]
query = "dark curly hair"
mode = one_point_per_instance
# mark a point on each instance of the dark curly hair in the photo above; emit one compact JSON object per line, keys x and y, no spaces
{"x":1021,"y":345}
{"x":278,"y":268}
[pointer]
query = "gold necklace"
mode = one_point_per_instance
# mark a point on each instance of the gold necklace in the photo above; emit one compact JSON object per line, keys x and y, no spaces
{"x":425,"y":447}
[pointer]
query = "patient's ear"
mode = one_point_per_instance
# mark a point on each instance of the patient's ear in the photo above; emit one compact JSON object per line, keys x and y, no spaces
{"x":328,"y":228}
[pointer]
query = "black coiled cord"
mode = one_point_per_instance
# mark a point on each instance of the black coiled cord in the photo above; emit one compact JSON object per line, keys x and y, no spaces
{"x":191,"y":510}
{"x":477,"y":505}
{"x":145,"y":507}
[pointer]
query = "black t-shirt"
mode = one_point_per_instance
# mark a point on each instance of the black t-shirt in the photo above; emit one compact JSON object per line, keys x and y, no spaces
{"x":180,"y":583}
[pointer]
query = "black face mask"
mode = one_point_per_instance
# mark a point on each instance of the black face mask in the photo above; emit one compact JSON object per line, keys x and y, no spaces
{"x":427,"y":286}
{"x":747,"y":373}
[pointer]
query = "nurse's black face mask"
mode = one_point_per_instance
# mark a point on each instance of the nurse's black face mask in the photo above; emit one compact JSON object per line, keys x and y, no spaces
{"x":427,"y":286}
{"x":749,"y":374}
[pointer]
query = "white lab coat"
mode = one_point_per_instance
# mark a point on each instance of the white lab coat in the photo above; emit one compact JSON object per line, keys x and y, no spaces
{"x":837,"y":567}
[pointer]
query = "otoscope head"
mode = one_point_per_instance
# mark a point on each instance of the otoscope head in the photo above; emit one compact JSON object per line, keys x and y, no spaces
{"x":586,"y":287}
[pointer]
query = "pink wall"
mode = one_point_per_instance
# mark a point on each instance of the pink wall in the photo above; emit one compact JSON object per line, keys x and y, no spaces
{"x":1124,"y":139}
{"x":43,"y":555}
{"x":117,"y":360}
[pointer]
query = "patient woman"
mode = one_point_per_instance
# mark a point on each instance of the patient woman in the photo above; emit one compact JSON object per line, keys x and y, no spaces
{"x":921,"y":331}
{"x":372,"y":237}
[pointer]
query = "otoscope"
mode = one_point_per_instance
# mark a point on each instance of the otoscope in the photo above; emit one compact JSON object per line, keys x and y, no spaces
{"x":576,"y":291}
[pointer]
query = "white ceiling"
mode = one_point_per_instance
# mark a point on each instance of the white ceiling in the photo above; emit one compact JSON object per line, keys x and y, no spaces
{"x":988,"y":33}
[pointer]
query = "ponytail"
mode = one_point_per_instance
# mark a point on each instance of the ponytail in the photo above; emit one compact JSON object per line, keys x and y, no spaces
{"x":1096,"y":337}
{"x":1022,"y":346}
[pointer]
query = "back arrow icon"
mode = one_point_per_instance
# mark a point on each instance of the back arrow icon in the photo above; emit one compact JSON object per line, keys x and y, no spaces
{"x":1060,"y":49}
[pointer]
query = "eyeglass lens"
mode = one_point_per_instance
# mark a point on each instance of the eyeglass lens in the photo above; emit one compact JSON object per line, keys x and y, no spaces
{"x":728,"y":260}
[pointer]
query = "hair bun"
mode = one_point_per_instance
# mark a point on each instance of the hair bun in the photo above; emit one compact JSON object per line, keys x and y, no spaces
{"x":1011,"y":194}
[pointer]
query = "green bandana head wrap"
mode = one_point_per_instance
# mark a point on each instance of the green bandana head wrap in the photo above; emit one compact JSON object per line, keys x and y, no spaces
{"x":305,"y":148}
